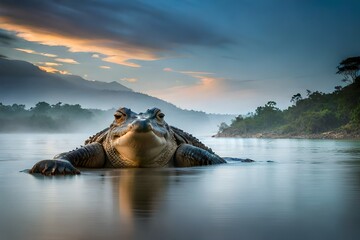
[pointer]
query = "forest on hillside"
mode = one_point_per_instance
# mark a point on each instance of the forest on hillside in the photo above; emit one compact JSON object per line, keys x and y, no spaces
{"x":44,"y":117}
{"x":337,"y":113}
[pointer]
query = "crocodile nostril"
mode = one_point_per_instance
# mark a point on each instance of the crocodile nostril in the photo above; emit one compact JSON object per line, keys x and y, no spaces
{"x":142,"y":125}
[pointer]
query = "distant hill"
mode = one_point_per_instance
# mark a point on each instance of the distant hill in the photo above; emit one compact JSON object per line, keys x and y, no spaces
{"x":98,"y":85}
{"x":23,"y":83}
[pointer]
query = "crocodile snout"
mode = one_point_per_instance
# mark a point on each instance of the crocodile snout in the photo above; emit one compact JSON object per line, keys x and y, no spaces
{"x":141,"y":125}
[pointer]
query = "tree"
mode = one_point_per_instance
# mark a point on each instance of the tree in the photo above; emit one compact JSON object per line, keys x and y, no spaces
{"x":41,"y":108}
{"x":56,"y":106}
{"x":350,"y":69}
{"x":297,"y":97}
{"x":271,"y":104}
{"x":338,"y":88}
{"x":316,"y":96}
{"x":308,"y":92}
{"x":268,"y":116}
{"x":222,"y":127}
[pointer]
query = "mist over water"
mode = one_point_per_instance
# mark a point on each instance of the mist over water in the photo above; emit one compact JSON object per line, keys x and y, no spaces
{"x":196,"y":124}
{"x":310,"y":191}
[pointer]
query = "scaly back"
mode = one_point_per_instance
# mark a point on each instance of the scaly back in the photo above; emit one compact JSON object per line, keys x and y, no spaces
{"x":98,"y":137}
{"x":184,"y":137}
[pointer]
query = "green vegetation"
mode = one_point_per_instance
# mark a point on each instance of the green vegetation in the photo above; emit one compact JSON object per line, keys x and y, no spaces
{"x":318,"y":113}
{"x":350,"y":69}
{"x":43,"y":117}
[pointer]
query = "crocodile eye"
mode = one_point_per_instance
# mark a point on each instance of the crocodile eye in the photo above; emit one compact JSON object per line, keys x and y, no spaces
{"x":119,"y":116}
{"x":160,"y":116}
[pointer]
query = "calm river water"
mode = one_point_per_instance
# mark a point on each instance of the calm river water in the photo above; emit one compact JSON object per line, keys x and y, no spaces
{"x":311,"y":190}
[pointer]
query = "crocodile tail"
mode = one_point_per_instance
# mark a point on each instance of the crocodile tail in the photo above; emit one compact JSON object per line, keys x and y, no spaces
{"x":184,"y":137}
{"x":98,"y":137}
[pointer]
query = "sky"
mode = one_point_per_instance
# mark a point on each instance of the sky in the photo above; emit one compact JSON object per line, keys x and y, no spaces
{"x":221,"y":56}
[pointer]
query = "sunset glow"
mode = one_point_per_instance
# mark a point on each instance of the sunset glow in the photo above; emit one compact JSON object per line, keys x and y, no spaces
{"x":66,"y":60}
{"x":52,"y":70}
{"x":33,"y":52}
{"x":114,"y":52}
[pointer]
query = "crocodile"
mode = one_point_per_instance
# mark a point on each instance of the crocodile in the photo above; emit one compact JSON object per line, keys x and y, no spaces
{"x":133,"y":140}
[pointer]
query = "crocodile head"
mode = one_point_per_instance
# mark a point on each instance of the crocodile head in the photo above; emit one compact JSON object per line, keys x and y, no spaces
{"x":140,"y":139}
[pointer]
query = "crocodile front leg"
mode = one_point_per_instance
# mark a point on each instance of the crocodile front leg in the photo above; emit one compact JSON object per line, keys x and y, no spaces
{"x":187,"y":156}
{"x":90,"y":156}
{"x":54,"y":167}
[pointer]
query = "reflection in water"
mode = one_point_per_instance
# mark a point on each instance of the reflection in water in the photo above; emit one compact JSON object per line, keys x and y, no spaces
{"x":137,"y":192}
{"x":141,"y":195}
{"x":140,"y":192}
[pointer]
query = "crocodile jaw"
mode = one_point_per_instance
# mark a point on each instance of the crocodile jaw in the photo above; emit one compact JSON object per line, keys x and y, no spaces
{"x":143,"y":149}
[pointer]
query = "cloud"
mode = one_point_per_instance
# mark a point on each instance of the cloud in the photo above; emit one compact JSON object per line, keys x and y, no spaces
{"x":207,"y":81}
{"x":52,"y":64}
{"x":130,"y":80}
{"x":52,"y":70}
{"x":95,"y":56}
{"x":121,"y":31}
{"x":66,"y":60}
{"x":34,"y":52}
{"x":48,"y":55}
{"x":113,"y":54}
{"x":6,"y":38}
{"x":25,"y":50}
{"x":217,"y":95}
{"x":105,"y":67}
{"x":168,"y":70}
{"x":190,"y":73}
{"x":208,"y":90}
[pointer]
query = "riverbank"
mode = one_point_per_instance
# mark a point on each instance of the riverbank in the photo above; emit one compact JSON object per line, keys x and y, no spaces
{"x":338,"y":134}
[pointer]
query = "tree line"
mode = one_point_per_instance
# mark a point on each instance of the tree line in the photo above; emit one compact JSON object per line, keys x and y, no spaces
{"x":58,"y":117}
{"x":316,"y":113}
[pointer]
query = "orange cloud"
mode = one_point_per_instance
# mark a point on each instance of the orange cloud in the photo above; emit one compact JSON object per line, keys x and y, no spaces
{"x":49,"y":63}
{"x":66,"y":60}
{"x":213,"y":94}
{"x":130,"y":80}
{"x":48,"y":69}
{"x":105,"y":67}
{"x":34,"y":52}
{"x":191,"y":73}
{"x":114,"y":52}
{"x":206,"y":86}
{"x":209,"y":90}
{"x":52,"y":70}
{"x":25,"y":50}
{"x":48,"y":55}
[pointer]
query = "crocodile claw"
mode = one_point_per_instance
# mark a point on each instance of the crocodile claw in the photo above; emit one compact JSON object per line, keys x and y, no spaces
{"x":54,"y":167}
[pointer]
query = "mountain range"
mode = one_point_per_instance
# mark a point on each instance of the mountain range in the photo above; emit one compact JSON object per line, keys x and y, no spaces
{"x":24,"y":83}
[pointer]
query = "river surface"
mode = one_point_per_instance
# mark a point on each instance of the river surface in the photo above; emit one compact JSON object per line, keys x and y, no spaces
{"x":296,"y":189}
